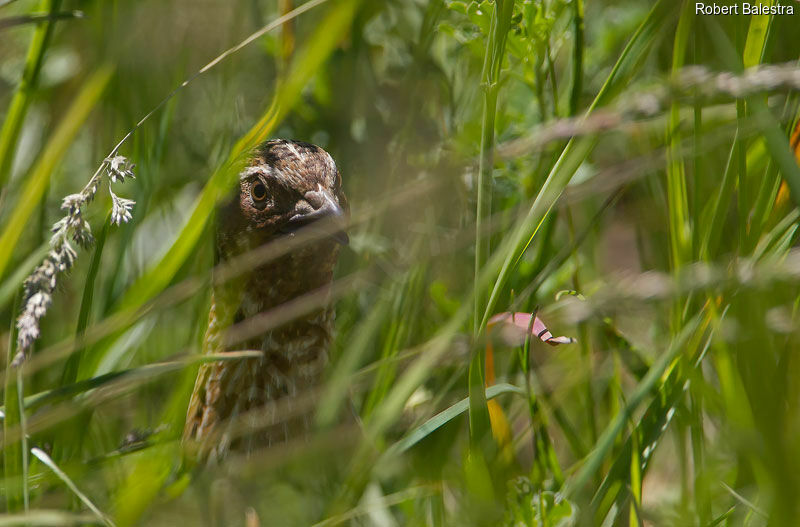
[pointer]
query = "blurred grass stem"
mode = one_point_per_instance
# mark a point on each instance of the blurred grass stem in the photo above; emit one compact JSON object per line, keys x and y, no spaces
{"x":490,"y":81}
{"x":27,"y":87}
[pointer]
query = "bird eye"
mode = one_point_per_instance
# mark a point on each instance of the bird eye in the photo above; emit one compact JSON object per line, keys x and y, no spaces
{"x":258,"y":192}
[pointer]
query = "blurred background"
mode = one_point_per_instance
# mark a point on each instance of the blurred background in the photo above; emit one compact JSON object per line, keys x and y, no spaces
{"x":659,"y":232}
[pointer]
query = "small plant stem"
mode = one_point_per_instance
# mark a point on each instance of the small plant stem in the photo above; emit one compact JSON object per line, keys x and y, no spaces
{"x":70,"y":373}
{"x":13,"y":464}
{"x":287,"y":36}
{"x":676,"y":177}
{"x":551,"y":74}
{"x":701,"y":491}
{"x":741,"y":170}
{"x":525,"y":359}
{"x":636,"y":480}
{"x":540,"y":80}
{"x":577,"y":58}
{"x":495,"y":51}
{"x":69,"y":439}
{"x":697,"y":166}
{"x":677,"y":196}
{"x":22,"y":98}
{"x":583,"y":335}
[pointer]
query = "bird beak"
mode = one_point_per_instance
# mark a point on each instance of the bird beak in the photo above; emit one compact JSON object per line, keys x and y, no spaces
{"x":327,"y":211}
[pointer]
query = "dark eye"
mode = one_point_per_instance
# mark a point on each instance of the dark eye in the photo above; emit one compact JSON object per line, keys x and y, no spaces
{"x":258,"y":192}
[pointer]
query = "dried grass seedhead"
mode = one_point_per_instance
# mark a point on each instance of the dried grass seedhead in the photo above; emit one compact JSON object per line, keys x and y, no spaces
{"x":72,"y":228}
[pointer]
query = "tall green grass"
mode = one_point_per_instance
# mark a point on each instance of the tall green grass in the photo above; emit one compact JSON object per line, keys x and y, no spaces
{"x":670,"y":216}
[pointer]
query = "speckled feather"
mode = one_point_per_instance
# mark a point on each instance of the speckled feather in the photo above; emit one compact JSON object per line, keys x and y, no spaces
{"x":230,"y":394}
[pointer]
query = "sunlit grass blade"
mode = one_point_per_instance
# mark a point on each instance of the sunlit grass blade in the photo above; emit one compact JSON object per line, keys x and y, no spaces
{"x":715,"y":212}
{"x":13,"y":463}
{"x":677,"y":195}
{"x":756,"y":40}
{"x":479,"y":425}
{"x":44,"y":458}
{"x":445,"y":416}
{"x":18,"y":109}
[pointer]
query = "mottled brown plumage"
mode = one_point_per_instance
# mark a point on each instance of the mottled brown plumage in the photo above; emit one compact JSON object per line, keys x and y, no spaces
{"x":245,"y":404}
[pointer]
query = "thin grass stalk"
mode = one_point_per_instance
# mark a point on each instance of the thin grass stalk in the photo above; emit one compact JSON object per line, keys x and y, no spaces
{"x":69,"y":439}
{"x":490,"y":78}
{"x":680,"y":235}
{"x":44,"y":458}
{"x":583,"y":333}
{"x":22,"y":98}
{"x":525,"y":360}
{"x":697,"y":162}
{"x":740,"y":148}
{"x":577,"y":58}
{"x":545,"y":460}
{"x":546,"y":454}
{"x":702,"y":501}
{"x":337,"y":387}
{"x":718,"y":208}
{"x":677,"y":201}
{"x":768,"y":203}
{"x":13,"y":464}
{"x":71,"y":368}
{"x":493,"y":59}
{"x":551,"y":73}
{"x":636,"y":480}
{"x":539,"y":82}
{"x":287,"y":35}
{"x":397,"y":317}
{"x":741,"y":173}
{"x":754,"y":53}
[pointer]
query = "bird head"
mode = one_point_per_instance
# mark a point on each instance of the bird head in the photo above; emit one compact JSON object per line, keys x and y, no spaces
{"x":288,"y":186}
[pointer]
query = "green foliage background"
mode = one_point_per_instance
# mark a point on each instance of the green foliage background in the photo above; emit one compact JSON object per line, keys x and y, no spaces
{"x":674,"y":229}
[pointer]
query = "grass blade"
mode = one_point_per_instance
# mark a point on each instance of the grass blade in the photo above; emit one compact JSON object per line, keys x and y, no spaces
{"x":445,"y":416}
{"x":44,"y":458}
{"x":55,"y":149}
{"x":22,"y":98}
{"x":13,"y":463}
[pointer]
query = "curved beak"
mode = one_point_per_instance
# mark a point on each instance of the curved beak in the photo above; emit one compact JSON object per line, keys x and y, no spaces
{"x":327,"y":211}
